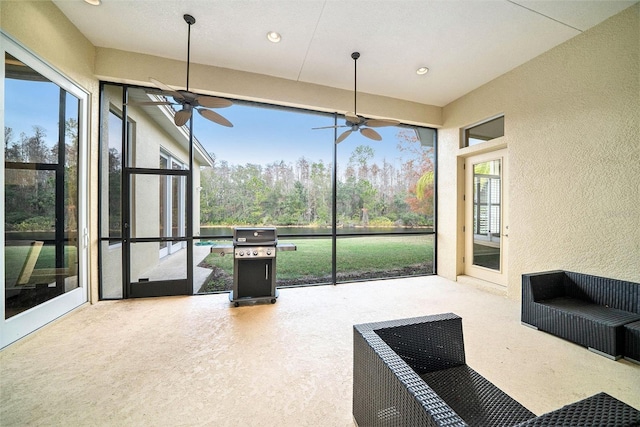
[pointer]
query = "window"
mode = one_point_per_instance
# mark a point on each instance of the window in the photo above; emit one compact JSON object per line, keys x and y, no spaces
{"x":115,"y":176}
{"x":483,"y":132}
{"x":172,"y":212}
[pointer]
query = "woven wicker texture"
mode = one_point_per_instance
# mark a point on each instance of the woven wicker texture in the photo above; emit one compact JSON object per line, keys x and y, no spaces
{"x":588,"y":310}
{"x":603,"y":291}
{"x":426,"y":347}
{"x":387,"y":390}
{"x":600,"y":410}
{"x":632,"y":341}
{"x":476,"y":399}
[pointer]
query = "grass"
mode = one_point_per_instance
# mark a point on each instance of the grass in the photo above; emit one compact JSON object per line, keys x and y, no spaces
{"x":357,"y":258}
{"x":15,"y":257}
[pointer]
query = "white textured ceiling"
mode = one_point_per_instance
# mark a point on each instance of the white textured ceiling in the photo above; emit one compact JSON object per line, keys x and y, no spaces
{"x":465,"y":43}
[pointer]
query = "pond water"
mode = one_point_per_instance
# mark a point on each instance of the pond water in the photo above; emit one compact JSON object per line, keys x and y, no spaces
{"x":302,"y":231}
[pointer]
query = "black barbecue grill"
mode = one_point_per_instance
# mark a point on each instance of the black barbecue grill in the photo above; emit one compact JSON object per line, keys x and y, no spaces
{"x":254,"y":263}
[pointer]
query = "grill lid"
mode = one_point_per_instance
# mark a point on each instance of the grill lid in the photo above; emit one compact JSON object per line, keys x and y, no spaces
{"x":247,"y":236}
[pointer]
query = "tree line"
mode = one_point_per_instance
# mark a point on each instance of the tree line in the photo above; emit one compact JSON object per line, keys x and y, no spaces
{"x":30,"y":192}
{"x":369,"y":193}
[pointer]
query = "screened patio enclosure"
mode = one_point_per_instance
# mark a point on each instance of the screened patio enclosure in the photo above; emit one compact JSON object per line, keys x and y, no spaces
{"x":358,"y":210}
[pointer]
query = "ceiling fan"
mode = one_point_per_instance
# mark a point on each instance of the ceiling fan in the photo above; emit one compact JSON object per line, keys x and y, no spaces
{"x":355,"y":122}
{"x":189,"y":101}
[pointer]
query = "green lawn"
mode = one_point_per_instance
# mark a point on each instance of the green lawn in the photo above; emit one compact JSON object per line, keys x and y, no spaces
{"x":15,"y":257}
{"x":357,"y":258}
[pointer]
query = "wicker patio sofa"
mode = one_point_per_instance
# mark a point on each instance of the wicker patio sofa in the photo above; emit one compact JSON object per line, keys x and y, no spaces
{"x":588,"y":310}
{"x":412,"y":372}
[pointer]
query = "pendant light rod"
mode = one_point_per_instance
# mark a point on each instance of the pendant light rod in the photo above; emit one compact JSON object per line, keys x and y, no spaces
{"x":355,"y":56}
{"x":189,"y":20}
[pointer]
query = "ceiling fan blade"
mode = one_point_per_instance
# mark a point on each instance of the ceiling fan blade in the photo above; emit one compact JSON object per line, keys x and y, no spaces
{"x":149,"y":103}
{"x":182,"y":117}
{"x":213,"y":102}
{"x":343,"y":136}
{"x":214,"y":117}
{"x":352,"y":117}
{"x":379,"y":123}
{"x":166,"y":88}
{"x":330,"y":127}
{"x":371,"y":134}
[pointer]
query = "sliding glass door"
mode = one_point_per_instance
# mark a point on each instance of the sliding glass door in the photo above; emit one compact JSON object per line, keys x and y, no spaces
{"x":45,"y":232}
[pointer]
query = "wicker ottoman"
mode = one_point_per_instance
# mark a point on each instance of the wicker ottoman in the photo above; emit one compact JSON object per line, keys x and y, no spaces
{"x":632,"y":341}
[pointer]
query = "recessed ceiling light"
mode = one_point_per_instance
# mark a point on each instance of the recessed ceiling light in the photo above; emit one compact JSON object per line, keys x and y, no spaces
{"x":274,"y":36}
{"x":422,"y":70}
{"x":93,"y":2}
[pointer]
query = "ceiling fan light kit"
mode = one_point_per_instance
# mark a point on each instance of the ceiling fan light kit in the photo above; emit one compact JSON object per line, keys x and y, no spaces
{"x":188,"y":100}
{"x":358,"y":123}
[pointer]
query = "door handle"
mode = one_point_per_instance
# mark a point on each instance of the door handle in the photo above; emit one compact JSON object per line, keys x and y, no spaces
{"x":266,"y":272}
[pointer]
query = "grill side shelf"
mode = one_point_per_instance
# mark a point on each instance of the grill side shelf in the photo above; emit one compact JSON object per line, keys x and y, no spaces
{"x":228,"y":249}
{"x":222,"y":250}
{"x":286,"y":247}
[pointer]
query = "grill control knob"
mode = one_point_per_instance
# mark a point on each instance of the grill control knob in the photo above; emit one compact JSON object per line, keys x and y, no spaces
{"x":268,"y":252}
{"x":255,"y":252}
{"x":241,"y":253}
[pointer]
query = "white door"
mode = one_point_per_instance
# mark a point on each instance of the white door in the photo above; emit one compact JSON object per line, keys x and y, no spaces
{"x":486,"y":225}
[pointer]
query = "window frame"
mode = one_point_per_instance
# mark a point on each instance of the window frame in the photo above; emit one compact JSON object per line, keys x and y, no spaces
{"x":465,"y":131}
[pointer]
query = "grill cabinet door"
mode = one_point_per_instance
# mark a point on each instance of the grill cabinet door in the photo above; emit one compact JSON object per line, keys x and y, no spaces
{"x":255,"y":278}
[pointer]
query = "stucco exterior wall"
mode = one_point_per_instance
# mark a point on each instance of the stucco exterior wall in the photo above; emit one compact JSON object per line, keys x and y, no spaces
{"x":572,"y":128}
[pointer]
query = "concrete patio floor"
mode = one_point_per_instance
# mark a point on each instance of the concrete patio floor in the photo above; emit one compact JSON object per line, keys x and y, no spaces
{"x":197,"y":360}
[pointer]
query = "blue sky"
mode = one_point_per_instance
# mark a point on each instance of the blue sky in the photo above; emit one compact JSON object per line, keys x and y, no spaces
{"x":264,"y":135}
{"x":29,"y":103}
{"x":260,"y":135}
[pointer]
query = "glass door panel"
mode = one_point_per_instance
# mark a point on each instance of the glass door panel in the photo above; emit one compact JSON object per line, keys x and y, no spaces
{"x":164,"y":215}
{"x":177,"y":208}
{"x":111,"y":178}
{"x":156,"y":265}
{"x":45,"y":129}
{"x":485,"y":213}
{"x":41,"y":189}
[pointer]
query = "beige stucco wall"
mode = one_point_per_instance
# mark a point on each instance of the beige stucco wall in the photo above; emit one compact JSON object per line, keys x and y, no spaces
{"x":572,"y":128}
{"x":128,"y":67}
{"x":42,"y":28}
